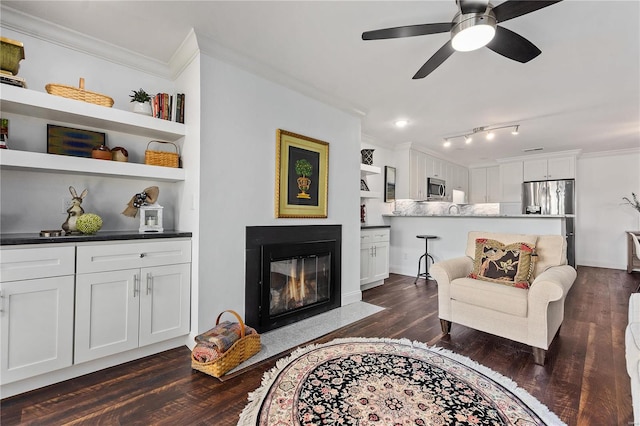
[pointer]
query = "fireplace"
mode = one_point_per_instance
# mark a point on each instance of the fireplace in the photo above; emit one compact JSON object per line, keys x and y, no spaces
{"x":292,"y":273}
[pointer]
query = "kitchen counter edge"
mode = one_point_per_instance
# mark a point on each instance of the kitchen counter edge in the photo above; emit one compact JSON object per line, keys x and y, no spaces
{"x":33,"y":238}
{"x":515,"y":216}
{"x":365,"y":227}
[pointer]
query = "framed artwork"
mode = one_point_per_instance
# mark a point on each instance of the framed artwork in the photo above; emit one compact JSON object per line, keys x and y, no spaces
{"x":389,"y":184}
{"x":75,"y":142}
{"x":302,"y":172}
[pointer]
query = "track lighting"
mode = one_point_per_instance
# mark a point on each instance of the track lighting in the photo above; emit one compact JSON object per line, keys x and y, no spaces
{"x":488,"y":130}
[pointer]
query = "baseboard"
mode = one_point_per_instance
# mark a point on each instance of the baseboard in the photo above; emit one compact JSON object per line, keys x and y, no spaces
{"x":351,"y":297}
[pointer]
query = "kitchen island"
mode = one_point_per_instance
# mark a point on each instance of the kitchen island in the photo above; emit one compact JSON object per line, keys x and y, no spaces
{"x":405,"y":249}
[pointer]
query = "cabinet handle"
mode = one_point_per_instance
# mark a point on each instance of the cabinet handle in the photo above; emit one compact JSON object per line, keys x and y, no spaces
{"x":1,"y":302}
{"x":135,"y":285}
{"x":141,"y":255}
{"x":149,"y":282}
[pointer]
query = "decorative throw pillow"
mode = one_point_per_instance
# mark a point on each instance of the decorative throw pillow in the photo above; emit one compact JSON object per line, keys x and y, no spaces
{"x":510,"y":264}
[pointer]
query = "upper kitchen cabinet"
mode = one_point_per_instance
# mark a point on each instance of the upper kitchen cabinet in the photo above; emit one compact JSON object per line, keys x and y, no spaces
{"x":550,"y":168}
{"x":511,"y":181}
{"x":414,"y":167}
{"x":484,"y":185}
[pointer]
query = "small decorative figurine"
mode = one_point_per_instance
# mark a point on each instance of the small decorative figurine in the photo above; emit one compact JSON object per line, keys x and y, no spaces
{"x":150,"y":210}
{"x":69,"y":226}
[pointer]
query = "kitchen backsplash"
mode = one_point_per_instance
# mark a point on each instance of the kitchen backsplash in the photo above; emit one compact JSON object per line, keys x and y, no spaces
{"x":416,"y":208}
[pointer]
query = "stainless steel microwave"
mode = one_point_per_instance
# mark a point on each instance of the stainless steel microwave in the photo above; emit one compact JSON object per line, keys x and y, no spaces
{"x":436,"y":189}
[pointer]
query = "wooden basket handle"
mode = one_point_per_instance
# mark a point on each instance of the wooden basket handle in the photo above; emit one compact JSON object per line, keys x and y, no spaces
{"x":237,"y":316}
{"x":174,"y":145}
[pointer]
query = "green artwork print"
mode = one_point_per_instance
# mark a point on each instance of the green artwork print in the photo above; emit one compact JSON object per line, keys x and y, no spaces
{"x":303,"y":170}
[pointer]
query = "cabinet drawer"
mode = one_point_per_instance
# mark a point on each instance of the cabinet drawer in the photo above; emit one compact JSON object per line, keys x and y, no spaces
{"x":36,"y":262}
{"x":374,"y":235}
{"x":112,"y":257}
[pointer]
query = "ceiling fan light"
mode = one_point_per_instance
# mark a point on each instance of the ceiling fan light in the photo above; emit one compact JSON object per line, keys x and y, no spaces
{"x":473,"y":30}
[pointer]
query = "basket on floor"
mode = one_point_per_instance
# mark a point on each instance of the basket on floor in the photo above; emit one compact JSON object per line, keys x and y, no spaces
{"x":162,"y":158}
{"x":241,"y":350}
{"x":79,"y":94}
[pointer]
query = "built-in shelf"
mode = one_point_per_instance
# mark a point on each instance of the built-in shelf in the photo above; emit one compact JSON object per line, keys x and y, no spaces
{"x":369,"y":170}
{"x":51,"y":163}
{"x":369,"y":194}
{"x":42,"y":105}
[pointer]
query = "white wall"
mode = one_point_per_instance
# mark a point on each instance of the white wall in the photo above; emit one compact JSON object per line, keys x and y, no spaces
{"x":602,"y":219}
{"x":240,"y":114}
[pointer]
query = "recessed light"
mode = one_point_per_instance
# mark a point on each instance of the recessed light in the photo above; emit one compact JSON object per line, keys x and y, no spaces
{"x":401,"y":123}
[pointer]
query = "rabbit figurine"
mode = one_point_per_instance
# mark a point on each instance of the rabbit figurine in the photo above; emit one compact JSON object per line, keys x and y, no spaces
{"x":69,"y":226}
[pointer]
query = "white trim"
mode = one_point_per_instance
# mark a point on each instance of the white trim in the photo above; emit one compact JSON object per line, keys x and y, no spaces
{"x":571,"y":153}
{"x":611,"y":153}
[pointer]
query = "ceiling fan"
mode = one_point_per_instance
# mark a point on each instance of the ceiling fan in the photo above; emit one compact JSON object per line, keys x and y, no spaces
{"x":473,"y":26}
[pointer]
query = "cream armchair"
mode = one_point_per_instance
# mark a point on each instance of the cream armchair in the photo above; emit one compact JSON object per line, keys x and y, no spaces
{"x":532,"y":316}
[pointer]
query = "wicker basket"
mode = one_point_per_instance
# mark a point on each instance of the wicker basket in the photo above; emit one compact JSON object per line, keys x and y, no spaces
{"x":79,"y":94}
{"x":240,"y":351}
{"x":162,"y":158}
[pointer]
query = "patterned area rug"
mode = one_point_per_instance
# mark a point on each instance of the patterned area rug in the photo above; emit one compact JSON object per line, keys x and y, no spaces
{"x":362,"y":381}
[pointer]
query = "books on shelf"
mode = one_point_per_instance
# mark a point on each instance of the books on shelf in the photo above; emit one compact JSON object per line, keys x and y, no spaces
{"x":168,"y":107}
{"x":13,"y":80}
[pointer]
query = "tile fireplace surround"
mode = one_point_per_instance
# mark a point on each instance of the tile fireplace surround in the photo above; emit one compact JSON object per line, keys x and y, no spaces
{"x":292,"y":273}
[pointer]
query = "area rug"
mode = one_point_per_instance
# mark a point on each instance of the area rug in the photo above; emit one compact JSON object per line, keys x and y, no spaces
{"x":364,"y":381}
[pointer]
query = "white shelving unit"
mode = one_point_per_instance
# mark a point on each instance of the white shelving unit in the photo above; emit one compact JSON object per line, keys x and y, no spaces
{"x":366,"y":170}
{"x":55,"y":108}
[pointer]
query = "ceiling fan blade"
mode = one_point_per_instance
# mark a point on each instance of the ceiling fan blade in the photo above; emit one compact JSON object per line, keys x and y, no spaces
{"x":435,"y":61}
{"x":513,"y":46}
{"x":513,"y":8}
{"x":407,"y":31}
{"x":473,"y":6}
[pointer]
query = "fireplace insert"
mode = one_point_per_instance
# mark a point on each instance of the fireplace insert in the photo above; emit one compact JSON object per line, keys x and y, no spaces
{"x":292,"y":273}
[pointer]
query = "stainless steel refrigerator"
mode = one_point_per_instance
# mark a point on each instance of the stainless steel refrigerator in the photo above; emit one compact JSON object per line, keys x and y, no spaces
{"x":553,"y":197}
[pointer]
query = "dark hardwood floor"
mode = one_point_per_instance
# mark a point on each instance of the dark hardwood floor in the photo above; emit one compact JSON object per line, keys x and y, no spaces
{"x":584,"y":380}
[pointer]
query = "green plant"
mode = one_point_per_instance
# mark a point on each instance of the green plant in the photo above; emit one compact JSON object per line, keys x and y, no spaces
{"x":303,"y":168}
{"x":635,"y":203}
{"x":140,"y":96}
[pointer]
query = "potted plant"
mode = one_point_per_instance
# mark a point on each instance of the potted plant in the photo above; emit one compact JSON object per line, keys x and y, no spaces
{"x":303,"y":170}
{"x":141,"y":102}
{"x":635,"y":203}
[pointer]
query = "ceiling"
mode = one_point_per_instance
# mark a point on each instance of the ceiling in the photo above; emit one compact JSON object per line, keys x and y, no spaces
{"x":582,"y":92}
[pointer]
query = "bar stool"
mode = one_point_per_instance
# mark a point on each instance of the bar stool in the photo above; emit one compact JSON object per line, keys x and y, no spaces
{"x":426,"y":256}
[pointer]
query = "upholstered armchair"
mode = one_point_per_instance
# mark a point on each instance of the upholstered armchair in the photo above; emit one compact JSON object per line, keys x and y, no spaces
{"x":531,"y":315}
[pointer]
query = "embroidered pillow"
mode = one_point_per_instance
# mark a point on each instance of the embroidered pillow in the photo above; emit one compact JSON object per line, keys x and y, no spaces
{"x":510,"y":264}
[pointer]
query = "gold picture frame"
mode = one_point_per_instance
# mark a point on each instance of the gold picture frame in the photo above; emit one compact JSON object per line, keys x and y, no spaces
{"x":302,"y":176}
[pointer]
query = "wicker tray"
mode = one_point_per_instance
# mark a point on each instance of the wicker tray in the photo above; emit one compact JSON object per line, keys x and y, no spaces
{"x":240,"y":351}
{"x":162,"y":158}
{"x":79,"y":94}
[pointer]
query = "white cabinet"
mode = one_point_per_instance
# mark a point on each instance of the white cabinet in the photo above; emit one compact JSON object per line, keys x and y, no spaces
{"x":45,"y":107}
{"x":374,"y":257}
{"x":129,"y":295}
{"x":484,"y":185}
{"x":36,"y":311}
{"x":418,"y":175}
{"x":366,"y":170}
{"x":511,"y":179}
{"x":550,"y":168}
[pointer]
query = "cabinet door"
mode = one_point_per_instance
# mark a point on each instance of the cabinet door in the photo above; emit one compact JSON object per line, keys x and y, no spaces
{"x":561,"y":168}
{"x":107,"y":308}
{"x":36,"y":322}
{"x":418,"y":185}
{"x":478,"y":185}
{"x":511,"y":182}
{"x":494,"y":191}
{"x":535,"y":170}
{"x":380,"y":261}
{"x":164,"y":303}
{"x":366,"y":259}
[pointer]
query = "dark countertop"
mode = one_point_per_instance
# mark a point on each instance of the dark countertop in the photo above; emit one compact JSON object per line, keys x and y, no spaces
{"x":374,"y":226}
{"x":35,"y":238}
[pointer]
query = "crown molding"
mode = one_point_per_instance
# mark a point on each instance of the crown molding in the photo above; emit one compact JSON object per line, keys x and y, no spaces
{"x":184,"y":55}
{"x":617,"y":152}
{"x":64,"y":37}
{"x":570,"y":153}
